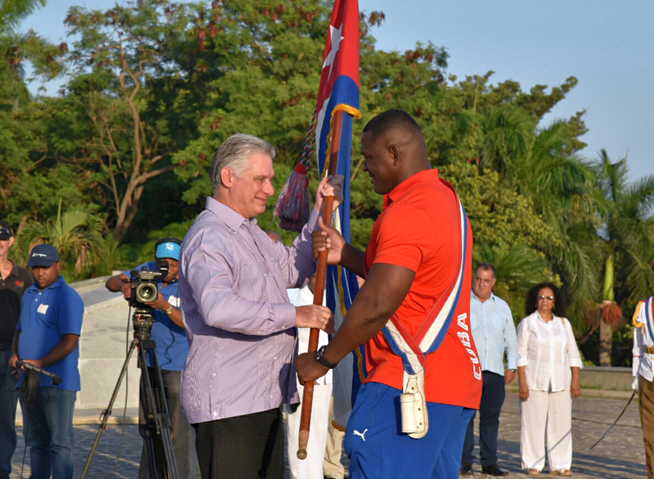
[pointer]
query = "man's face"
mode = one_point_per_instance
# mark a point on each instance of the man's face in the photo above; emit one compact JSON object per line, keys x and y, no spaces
{"x":378,"y":163}
{"x":173,"y":270}
{"x":44,"y":277}
{"x":5,"y":245}
{"x":483,"y":283}
{"x":251,"y":189}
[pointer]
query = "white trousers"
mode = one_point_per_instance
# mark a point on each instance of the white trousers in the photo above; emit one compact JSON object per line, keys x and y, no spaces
{"x":312,"y":466}
{"x":546,"y":430}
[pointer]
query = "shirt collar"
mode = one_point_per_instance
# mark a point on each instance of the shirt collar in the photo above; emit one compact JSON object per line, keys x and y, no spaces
{"x":492,"y":297}
{"x":540,"y":318}
{"x":231,"y":218}
{"x":57,"y":284}
{"x":422,"y":177}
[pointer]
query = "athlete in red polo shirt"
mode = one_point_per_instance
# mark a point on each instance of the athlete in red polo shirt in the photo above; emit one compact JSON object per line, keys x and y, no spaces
{"x":412,"y":313}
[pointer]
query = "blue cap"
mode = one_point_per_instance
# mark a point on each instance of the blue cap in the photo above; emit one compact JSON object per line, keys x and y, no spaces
{"x":43,"y":255}
{"x":168,"y":249}
{"x":5,"y":231}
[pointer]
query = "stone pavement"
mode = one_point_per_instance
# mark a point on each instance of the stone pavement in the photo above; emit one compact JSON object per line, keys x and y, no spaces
{"x":619,"y":456}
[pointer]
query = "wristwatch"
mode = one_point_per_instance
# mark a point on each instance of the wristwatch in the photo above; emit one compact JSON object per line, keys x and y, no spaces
{"x":169,"y":310}
{"x":320,"y":357}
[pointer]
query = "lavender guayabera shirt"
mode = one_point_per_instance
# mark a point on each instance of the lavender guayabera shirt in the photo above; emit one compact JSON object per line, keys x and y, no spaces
{"x":241,"y":325}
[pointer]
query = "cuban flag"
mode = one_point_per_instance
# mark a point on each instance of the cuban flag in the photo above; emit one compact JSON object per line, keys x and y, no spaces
{"x":339,"y":90}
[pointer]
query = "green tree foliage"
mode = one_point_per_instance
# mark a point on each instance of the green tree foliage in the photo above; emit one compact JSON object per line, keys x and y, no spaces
{"x":12,"y":11}
{"x":75,"y":233}
{"x":626,"y":246}
{"x":151,"y":89}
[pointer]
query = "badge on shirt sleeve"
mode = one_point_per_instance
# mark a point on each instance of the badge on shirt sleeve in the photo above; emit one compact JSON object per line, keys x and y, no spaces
{"x":43,"y":309}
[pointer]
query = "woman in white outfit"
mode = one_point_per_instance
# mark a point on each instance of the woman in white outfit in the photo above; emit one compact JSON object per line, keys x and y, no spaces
{"x":548,"y":373}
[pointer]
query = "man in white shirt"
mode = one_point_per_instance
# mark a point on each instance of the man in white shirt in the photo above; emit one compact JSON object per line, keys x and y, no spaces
{"x":494,"y":333}
{"x":643,"y":371}
{"x":312,"y":466}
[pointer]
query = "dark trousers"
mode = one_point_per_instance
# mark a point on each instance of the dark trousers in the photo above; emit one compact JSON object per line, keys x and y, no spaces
{"x":182,"y":435}
{"x":492,"y":398}
{"x":241,"y":447}
{"x":8,"y":401}
{"x":48,"y":426}
{"x":646,"y":400}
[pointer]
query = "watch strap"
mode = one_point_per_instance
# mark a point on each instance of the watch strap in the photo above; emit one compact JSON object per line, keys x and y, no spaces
{"x":320,"y":357}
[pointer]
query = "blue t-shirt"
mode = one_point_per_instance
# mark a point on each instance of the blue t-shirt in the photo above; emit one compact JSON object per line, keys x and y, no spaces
{"x":171,"y":342}
{"x":46,"y":315}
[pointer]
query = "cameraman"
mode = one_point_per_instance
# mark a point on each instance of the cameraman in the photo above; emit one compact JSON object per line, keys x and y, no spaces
{"x":171,"y":348}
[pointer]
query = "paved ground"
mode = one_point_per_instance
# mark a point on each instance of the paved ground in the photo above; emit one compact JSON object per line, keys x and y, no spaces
{"x":619,"y":456}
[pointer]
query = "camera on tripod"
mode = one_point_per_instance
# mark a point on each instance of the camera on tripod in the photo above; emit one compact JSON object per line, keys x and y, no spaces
{"x":144,"y":284}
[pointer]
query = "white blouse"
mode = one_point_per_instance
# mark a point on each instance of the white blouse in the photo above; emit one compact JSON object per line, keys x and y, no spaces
{"x":548,"y":350}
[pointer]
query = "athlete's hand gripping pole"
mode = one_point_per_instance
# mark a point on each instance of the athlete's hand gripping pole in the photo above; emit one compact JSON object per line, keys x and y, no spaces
{"x":321,"y":279}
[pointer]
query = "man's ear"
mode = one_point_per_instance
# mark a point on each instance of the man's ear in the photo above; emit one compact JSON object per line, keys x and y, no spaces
{"x":227,"y":177}
{"x":394,"y":151}
{"x":12,"y":240}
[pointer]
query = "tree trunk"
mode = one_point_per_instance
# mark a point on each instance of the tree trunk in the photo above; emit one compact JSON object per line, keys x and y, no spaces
{"x":609,"y":278}
{"x":605,"y":329}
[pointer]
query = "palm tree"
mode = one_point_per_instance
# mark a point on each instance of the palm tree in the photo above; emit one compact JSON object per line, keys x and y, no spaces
{"x":564,"y":191}
{"x":75,"y":233}
{"x":540,"y":164}
{"x":626,"y":235}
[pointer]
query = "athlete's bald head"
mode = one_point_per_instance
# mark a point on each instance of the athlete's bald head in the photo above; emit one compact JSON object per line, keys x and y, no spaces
{"x":392,"y":120}
{"x":394,"y":148}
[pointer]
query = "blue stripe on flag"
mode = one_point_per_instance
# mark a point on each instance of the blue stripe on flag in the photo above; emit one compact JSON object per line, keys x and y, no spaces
{"x":648,"y":318}
{"x":345,"y":92}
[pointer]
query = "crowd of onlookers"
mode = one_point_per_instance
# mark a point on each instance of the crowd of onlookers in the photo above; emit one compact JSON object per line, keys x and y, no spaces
{"x":544,"y":356}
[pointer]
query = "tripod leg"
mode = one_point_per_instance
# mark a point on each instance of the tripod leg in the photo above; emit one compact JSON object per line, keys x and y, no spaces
{"x":166,"y":423}
{"x":157,"y":430}
{"x":149,"y":428}
{"x":104,"y":416}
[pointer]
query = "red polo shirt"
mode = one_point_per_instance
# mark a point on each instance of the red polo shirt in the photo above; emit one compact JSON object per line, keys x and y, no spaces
{"x":420,"y":229}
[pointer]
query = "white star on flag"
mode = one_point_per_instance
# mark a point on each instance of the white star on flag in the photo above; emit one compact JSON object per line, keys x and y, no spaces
{"x":335,"y":43}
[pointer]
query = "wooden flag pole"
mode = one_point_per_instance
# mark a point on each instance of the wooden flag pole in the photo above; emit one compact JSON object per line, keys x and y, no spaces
{"x":321,"y":279}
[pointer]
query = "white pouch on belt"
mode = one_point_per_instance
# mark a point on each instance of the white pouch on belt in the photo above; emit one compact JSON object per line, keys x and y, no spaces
{"x":413,"y":406}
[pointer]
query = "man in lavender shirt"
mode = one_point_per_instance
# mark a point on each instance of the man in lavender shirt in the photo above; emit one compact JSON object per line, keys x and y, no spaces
{"x":242,"y":328}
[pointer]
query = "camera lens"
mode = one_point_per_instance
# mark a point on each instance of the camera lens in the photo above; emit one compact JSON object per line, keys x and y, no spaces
{"x":146,"y":292}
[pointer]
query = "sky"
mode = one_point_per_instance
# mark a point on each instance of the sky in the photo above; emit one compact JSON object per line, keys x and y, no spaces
{"x":606,"y":44}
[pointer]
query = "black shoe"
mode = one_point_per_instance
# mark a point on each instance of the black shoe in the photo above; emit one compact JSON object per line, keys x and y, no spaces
{"x":466,"y":470}
{"x":493,"y":470}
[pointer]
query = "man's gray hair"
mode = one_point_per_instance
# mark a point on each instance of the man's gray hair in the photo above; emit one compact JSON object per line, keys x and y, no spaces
{"x":487,"y":267}
{"x":235,"y":153}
